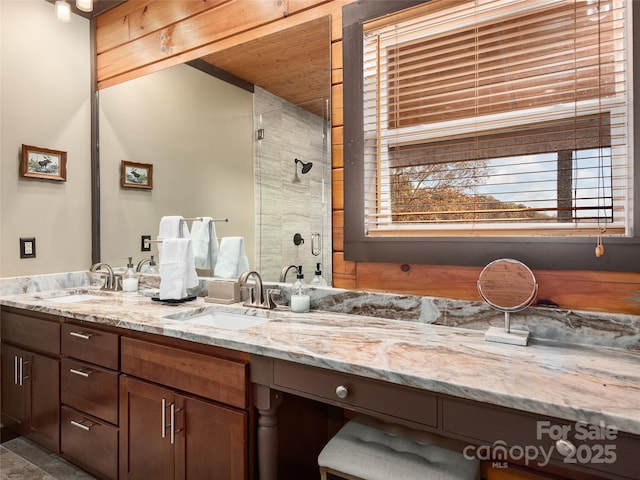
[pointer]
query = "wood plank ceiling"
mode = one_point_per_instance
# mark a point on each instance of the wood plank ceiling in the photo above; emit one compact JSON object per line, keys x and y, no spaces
{"x":293,"y":64}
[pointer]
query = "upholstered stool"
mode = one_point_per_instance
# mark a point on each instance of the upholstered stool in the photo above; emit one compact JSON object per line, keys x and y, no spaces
{"x":360,"y":451}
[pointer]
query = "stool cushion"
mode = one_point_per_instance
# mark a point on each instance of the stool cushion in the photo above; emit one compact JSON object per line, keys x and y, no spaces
{"x":372,"y":454}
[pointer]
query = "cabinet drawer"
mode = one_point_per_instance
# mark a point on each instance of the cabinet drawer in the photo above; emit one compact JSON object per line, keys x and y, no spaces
{"x":91,"y":389}
{"x":91,"y":345}
{"x":361,"y":393}
{"x":32,"y":332}
{"x":89,"y":443}
{"x":210,"y":377}
{"x":493,"y":425}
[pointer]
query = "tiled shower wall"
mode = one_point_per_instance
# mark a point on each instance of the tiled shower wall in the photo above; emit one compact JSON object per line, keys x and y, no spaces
{"x":286,"y":205}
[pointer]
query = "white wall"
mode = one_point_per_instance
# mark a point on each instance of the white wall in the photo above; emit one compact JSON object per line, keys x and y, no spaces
{"x":45,"y":101}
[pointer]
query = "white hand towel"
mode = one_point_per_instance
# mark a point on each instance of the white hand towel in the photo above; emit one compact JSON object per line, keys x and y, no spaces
{"x":172,"y":226}
{"x":177,"y":270}
{"x":232,"y":259}
{"x":205,"y":243}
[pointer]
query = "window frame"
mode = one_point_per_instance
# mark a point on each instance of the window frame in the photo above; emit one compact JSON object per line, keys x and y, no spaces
{"x":555,"y":253}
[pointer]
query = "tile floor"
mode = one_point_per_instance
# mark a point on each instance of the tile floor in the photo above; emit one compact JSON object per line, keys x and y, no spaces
{"x":21,"y":459}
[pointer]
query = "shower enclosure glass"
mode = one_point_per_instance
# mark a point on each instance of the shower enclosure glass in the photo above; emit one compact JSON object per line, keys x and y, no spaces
{"x":292,"y":197}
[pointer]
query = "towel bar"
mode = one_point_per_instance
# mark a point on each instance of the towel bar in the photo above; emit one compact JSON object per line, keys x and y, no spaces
{"x":193,"y":219}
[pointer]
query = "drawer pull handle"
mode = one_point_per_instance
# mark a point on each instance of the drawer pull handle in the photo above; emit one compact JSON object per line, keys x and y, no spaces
{"x":82,"y":335}
{"x":342,"y":391}
{"x":164,"y":417}
{"x":565,"y":447}
{"x":172,"y":419}
{"x":82,"y":373}
{"x":173,"y":423}
{"x":18,"y":370}
{"x":81,"y":425}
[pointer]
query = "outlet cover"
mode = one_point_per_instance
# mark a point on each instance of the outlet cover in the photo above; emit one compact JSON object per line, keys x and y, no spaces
{"x":28,"y":247}
{"x":145,"y":243}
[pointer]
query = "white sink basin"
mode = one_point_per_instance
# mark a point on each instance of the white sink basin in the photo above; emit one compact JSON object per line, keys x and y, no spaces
{"x":74,"y":298}
{"x":225,"y":320}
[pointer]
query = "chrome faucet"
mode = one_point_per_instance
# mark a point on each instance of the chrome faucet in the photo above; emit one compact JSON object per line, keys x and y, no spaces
{"x":256,"y":298}
{"x":112,"y":281}
{"x":152,"y":265}
{"x":141,"y":263}
{"x":285,"y":271}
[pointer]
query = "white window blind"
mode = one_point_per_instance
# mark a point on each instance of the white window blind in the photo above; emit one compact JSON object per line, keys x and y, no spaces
{"x":498,"y":117}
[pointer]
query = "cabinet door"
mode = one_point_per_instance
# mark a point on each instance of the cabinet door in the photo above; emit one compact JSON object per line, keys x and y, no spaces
{"x":211,"y":441}
{"x":44,"y":424}
{"x":31,"y":395}
{"x":144,"y":453}
{"x":14,"y":396}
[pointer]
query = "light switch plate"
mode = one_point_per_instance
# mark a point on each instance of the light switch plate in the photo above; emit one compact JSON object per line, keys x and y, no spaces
{"x":28,"y":247}
{"x":145,"y":243}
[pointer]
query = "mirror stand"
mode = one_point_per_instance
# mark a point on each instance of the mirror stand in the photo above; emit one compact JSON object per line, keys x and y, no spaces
{"x":507,"y":335}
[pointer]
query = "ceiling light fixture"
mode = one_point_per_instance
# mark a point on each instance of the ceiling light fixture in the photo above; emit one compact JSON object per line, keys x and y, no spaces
{"x":63,"y":11}
{"x":85,"y":5}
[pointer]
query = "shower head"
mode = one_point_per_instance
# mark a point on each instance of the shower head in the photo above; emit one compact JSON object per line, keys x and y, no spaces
{"x":305,"y":166}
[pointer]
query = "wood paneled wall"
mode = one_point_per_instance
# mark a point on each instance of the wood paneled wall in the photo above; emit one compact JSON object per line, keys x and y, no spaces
{"x":140,"y":37}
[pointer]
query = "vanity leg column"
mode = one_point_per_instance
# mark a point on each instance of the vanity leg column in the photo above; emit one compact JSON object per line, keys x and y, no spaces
{"x":268,"y":434}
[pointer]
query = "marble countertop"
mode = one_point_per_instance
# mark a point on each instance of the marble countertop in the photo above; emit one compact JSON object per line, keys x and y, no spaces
{"x":573,"y":382}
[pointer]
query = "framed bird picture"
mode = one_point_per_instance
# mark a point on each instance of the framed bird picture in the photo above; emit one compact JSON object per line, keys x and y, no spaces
{"x":136,"y":175}
{"x":37,"y":162}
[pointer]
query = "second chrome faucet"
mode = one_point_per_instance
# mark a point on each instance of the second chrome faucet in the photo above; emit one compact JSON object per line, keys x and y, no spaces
{"x":255,"y":291}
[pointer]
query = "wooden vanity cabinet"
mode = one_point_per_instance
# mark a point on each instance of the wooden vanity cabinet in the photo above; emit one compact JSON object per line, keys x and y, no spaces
{"x":183,"y":414}
{"x":31,"y":376}
{"x":169,"y":435}
{"x":89,"y":393}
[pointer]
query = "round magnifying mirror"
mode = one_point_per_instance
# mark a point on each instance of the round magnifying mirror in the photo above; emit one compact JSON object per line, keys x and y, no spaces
{"x":508,"y":286}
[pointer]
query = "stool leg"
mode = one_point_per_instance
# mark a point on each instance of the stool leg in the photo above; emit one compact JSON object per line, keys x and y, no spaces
{"x":323,"y":473}
{"x":335,"y":474}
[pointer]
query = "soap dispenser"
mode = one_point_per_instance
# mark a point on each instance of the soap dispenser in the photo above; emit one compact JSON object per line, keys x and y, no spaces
{"x":130,"y":279}
{"x":318,"y":281}
{"x":300,"y":294}
{"x":153,"y":266}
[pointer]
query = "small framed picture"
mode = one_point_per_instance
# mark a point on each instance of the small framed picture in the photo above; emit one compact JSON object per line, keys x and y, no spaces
{"x":136,"y":175}
{"x":43,"y":163}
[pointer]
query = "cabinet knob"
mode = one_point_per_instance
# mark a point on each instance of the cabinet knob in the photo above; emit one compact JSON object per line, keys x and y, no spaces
{"x":342,"y":391}
{"x":565,"y":447}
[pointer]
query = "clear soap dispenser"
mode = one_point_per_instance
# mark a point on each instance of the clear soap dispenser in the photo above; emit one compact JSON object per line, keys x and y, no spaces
{"x":153,"y":267}
{"x":130,"y":279}
{"x":318,"y":281}
{"x":300,"y":294}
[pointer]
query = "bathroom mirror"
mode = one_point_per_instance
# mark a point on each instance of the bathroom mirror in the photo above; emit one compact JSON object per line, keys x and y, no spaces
{"x":222,"y":151}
